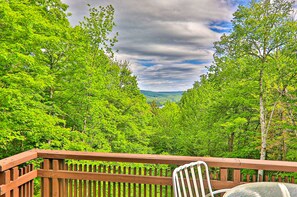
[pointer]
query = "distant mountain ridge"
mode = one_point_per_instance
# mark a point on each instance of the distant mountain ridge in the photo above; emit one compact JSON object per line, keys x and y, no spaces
{"x":162,"y":97}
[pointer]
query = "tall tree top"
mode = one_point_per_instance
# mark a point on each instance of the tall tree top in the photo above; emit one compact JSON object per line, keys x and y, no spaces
{"x":259,"y":30}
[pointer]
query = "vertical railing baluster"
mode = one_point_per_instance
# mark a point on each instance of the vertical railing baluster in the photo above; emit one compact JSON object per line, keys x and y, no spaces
{"x":124,"y":184}
{"x":156,"y":190}
{"x":15,"y":176}
{"x":119,"y":184}
{"x":85,"y":169}
{"x":99,"y":182}
{"x":161,"y":187}
{"x":144,"y":185}
{"x":66,"y":186}
{"x":248,"y":178}
{"x":32,"y":182}
{"x":104,"y":182}
{"x":99,"y":167}
{"x":90,"y":182}
{"x":108,"y":183}
{"x":139,"y":185}
{"x":150,"y":187}
{"x":21,"y":190}
{"x":224,"y":174}
{"x":70,"y":168}
{"x":166,"y":187}
{"x":266,"y":178}
{"x":61,"y":182}
{"x":27,"y":185}
{"x":94,"y":183}
{"x":55,"y":183}
{"x":75,"y":188}
{"x":114,"y":183}
{"x":134,"y":184}
{"x":80,"y":182}
{"x":236,"y":176}
{"x":129,"y":184}
{"x":273,"y":178}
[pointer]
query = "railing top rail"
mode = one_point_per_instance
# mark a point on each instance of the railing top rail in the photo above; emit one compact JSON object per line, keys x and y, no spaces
{"x":167,"y":159}
{"x":18,"y":159}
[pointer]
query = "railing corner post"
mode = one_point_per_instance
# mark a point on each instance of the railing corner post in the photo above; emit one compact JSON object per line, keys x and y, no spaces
{"x":4,"y":179}
{"x":45,"y":183}
{"x":2,"y":182}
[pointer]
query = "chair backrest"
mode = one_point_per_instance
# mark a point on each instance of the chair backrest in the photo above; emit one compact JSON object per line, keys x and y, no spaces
{"x":188,"y":180}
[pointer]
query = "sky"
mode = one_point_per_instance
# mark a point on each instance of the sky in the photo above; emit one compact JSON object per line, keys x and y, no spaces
{"x":168,"y":43}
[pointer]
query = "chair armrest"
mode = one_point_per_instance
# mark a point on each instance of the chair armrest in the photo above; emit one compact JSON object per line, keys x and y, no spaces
{"x":218,"y":192}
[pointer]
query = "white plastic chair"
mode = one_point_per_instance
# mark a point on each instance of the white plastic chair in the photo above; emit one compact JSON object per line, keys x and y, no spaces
{"x":188,"y":181}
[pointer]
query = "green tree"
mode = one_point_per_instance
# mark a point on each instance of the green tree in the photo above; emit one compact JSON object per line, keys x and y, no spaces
{"x":166,"y":134}
{"x":253,"y":77}
{"x":59,"y":87}
{"x":260,"y":32}
{"x":99,"y":26}
{"x":26,"y":119}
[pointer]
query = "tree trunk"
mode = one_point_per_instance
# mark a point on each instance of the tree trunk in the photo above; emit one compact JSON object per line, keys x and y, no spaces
{"x":231,"y":142}
{"x":262,"y":123}
{"x":85,"y":125}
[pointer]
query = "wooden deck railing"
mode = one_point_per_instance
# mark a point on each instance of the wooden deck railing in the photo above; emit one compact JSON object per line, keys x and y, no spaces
{"x":76,"y":174}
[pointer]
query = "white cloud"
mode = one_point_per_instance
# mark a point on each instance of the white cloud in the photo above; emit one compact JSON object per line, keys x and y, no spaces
{"x":165,"y":32}
{"x":160,"y":77}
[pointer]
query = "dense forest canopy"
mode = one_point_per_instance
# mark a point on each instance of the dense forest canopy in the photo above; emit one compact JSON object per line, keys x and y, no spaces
{"x":61,"y":88}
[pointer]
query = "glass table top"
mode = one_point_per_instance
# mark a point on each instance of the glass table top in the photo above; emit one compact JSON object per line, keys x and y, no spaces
{"x":263,"y":189}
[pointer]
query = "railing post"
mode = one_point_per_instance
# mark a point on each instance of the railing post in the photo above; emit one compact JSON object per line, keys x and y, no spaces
{"x":15,"y":176}
{"x":5,"y":179}
{"x":55,"y":182}
{"x":45,"y":188}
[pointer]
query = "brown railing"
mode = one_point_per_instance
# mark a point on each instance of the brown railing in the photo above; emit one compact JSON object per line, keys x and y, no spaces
{"x":76,"y":174}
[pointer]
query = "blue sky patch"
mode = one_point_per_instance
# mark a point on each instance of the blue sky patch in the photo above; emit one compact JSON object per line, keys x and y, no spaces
{"x":239,"y":2}
{"x":220,"y":26}
{"x":146,"y":63}
{"x":194,"y":62}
